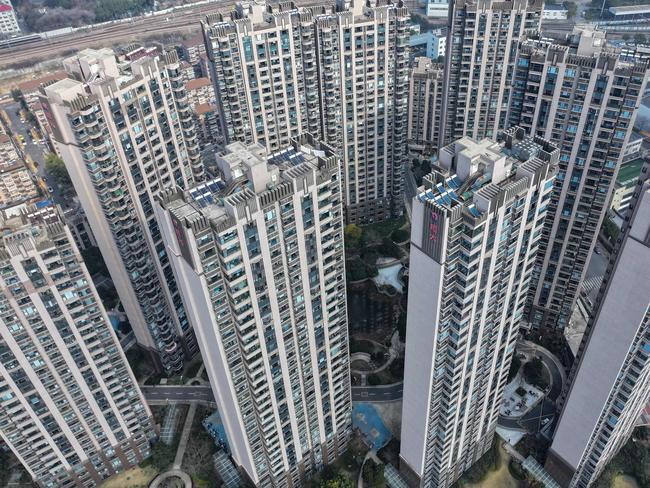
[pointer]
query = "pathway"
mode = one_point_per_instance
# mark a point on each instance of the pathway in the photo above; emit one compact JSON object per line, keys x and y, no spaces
{"x":185,"y":478}
{"x":180,"y":452}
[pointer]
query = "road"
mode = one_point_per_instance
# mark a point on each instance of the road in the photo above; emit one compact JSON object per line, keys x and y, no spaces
{"x":383,"y":393}
{"x":181,"y":393}
{"x":203,"y":393}
{"x":598,"y":263}
{"x":35,"y":151}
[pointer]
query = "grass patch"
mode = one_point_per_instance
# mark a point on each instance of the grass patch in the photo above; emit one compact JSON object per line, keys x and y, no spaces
{"x":632,"y":460}
{"x":137,"y":477}
{"x":197,"y":460}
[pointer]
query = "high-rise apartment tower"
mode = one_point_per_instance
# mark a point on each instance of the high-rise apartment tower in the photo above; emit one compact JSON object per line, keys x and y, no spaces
{"x":70,"y":408}
{"x":610,"y":382}
{"x":339,"y":75}
{"x":259,"y":258}
{"x":477,"y":223}
{"x":479,"y":64}
{"x":425,"y":106}
{"x":583,"y":97}
{"x":126,"y":133}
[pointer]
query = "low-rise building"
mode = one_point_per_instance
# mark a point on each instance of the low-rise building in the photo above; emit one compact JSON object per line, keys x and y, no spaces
{"x":8,"y":154}
{"x":554,"y":12}
{"x":206,"y":119}
{"x":626,"y":181}
{"x":632,"y":149}
{"x":16,"y":186}
{"x":437,"y":8}
{"x":199,"y":91}
{"x":432,"y":44}
{"x":192,"y":48}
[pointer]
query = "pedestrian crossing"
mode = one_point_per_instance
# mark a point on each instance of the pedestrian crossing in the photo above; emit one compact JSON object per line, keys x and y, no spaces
{"x":592,"y":283}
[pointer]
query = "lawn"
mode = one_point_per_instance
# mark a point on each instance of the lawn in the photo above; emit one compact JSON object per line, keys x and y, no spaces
{"x":133,"y":478}
{"x":498,"y":478}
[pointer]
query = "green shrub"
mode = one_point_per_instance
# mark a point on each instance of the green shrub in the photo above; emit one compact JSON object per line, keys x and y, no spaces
{"x":353,"y":234}
{"x":535,"y":373}
{"x":355,"y":270}
{"x":389,"y":248}
{"x":400,"y":235}
{"x":374,"y":379}
{"x":516,"y":471}
{"x":373,"y":474}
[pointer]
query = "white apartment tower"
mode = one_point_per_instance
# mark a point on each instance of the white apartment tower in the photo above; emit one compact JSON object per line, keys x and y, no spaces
{"x":341,"y":75}
{"x":610,"y":382}
{"x":70,"y":408}
{"x":477,"y":223}
{"x":479,"y":64}
{"x":259,"y":258}
{"x":126,"y":133}
{"x":583,"y":96}
{"x":425,"y":105}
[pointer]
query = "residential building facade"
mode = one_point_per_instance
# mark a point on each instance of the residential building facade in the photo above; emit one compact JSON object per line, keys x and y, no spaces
{"x":425,"y":101}
{"x":126,"y":134}
{"x":259,"y":257}
{"x":609,"y":385}
{"x":8,"y":21}
{"x":341,"y":75}
{"x":70,"y":408}
{"x":479,"y":64}
{"x":582,"y":96}
{"x":476,"y":227}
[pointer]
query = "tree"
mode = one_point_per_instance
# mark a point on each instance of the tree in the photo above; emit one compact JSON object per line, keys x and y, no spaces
{"x":389,"y":248}
{"x":338,"y":482}
{"x":640,"y":38}
{"x":534,"y":373}
{"x":610,"y":229}
{"x":17,"y":95}
{"x":162,"y":456}
{"x":355,"y":270}
{"x":626,"y":37}
{"x":572,"y":9}
{"x":55,"y":167}
{"x":514,"y":367}
{"x":373,"y":474}
{"x":400,"y":235}
{"x":353,"y":235}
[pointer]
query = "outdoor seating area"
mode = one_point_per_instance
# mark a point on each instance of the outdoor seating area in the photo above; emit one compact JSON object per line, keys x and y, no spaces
{"x":519,"y":397}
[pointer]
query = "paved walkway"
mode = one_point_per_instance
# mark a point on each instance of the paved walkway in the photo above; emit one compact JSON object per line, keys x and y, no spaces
{"x":180,"y":452}
{"x":185,"y":478}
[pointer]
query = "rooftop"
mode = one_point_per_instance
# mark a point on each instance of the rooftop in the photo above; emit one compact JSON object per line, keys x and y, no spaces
{"x":629,"y":173}
{"x":248,"y":171}
{"x":204,"y":108}
{"x":630,"y":10}
{"x":551,"y":6}
{"x":197,"y":83}
{"x":466,"y":166}
{"x":32,"y":85}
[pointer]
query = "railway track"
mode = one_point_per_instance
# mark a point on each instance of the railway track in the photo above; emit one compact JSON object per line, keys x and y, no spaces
{"x":101,"y":36}
{"x":123,"y":33}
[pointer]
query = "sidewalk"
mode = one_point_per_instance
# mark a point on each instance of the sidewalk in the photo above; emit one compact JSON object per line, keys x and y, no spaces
{"x":180,"y":452}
